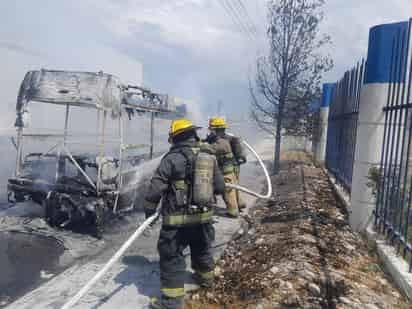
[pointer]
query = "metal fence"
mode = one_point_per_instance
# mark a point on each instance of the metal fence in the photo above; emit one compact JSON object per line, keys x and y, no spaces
{"x":394,"y":178}
{"x":342,"y":124}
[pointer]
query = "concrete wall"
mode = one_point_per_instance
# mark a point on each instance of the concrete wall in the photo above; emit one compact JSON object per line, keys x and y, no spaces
{"x":369,"y":140}
{"x":320,"y":150}
{"x":370,"y":137}
{"x":327,"y":93}
{"x":371,"y":120}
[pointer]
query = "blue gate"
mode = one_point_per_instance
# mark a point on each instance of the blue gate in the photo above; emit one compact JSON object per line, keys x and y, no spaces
{"x":342,"y":125}
{"x":394,"y":180}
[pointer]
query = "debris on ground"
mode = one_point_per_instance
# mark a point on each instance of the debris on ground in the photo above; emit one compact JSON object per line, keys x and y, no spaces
{"x":299,"y":252}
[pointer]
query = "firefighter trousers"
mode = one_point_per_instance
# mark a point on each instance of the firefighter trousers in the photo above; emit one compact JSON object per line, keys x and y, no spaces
{"x":172,"y":242}
{"x":230,"y":196}
{"x":241,"y":203}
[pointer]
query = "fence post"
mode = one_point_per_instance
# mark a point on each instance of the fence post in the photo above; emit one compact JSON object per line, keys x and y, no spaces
{"x":371,"y":121}
{"x":323,"y":122}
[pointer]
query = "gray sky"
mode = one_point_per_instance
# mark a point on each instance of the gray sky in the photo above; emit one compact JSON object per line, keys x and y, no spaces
{"x":188,"y":48}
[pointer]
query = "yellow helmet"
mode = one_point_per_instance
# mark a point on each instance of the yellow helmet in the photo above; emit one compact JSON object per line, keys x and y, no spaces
{"x":180,"y":126}
{"x":217,"y":123}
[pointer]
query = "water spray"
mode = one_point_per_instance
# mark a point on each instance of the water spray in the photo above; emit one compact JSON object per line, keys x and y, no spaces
{"x":148,"y":222}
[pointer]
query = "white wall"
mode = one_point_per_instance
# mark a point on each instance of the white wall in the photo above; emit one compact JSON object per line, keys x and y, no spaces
{"x":369,"y":141}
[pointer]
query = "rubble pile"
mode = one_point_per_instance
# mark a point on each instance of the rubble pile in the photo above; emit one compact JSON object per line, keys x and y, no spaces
{"x":298,"y":251}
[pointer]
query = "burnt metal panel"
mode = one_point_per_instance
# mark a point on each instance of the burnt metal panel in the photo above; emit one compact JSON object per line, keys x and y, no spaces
{"x":87,"y":89}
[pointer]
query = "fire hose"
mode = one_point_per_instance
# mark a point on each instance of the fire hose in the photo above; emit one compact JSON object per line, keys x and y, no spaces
{"x":148,"y":222}
{"x":109,"y":264}
{"x":245,"y":190}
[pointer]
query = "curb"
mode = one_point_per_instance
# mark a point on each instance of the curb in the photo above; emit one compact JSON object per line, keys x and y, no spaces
{"x":394,"y":265}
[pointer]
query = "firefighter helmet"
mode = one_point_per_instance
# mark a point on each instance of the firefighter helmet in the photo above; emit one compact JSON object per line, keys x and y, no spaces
{"x":181,"y":125}
{"x":217,"y":123}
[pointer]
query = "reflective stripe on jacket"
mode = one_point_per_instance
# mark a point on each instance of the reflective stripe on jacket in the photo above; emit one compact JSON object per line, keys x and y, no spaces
{"x":171,"y":182}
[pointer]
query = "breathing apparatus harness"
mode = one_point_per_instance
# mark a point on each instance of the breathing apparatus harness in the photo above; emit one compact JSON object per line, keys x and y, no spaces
{"x":83,"y":291}
{"x":226,"y":161}
{"x":184,"y":188}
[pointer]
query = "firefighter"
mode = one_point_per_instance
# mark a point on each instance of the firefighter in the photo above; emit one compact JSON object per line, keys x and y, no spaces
{"x":230,"y":156}
{"x":183,"y":222}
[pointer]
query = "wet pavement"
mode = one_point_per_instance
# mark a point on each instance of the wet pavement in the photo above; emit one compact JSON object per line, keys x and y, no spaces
{"x":25,"y":261}
{"x":135,"y":278}
{"x":30,"y":261}
{"x":4,"y":205}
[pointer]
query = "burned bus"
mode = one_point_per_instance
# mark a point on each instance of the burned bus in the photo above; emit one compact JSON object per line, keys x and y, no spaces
{"x":82,"y":187}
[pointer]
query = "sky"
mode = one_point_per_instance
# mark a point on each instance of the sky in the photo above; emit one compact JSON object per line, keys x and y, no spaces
{"x":186,"y":48}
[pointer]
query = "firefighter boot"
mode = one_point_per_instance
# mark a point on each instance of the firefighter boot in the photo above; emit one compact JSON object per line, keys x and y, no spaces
{"x":166,"y":304}
{"x":204,"y":280}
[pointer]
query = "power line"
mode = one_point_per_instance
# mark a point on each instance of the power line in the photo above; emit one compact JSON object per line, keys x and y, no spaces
{"x":238,"y":16}
{"x":234,"y":18}
{"x":241,"y":19}
{"x":261,"y":8}
{"x":223,"y":4}
{"x":249,"y":20}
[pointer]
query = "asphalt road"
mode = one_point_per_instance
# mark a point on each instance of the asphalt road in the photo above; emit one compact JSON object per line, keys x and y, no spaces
{"x":134,"y":279}
{"x":47,"y":265}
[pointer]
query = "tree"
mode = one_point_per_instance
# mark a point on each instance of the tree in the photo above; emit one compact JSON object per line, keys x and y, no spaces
{"x":288,"y":79}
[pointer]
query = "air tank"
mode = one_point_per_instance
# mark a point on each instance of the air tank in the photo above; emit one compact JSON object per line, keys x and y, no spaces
{"x":203,"y":174}
{"x":238,"y":149}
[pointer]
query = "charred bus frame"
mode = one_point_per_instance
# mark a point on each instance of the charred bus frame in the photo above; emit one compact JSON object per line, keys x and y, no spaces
{"x":102,"y":92}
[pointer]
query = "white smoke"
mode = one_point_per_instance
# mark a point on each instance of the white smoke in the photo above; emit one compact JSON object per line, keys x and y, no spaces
{"x":145,"y":170}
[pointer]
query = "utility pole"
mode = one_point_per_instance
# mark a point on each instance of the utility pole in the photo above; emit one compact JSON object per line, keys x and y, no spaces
{"x":152,"y":120}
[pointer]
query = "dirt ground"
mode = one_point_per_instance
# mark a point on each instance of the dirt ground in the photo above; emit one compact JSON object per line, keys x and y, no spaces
{"x":298,"y":251}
